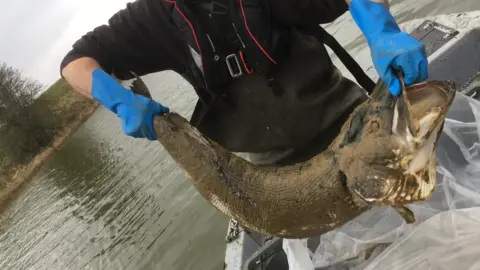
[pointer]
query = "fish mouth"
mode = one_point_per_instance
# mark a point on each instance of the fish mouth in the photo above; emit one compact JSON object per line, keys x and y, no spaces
{"x":418,"y":121}
{"x":405,"y":172}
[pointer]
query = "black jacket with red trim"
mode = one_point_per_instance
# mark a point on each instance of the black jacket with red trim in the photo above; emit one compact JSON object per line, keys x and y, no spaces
{"x":143,"y":37}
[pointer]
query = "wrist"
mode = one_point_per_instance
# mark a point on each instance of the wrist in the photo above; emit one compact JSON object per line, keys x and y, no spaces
{"x":373,"y":19}
{"x":107,"y":91}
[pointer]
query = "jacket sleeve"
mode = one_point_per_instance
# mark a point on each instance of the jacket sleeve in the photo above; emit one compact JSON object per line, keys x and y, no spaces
{"x":306,"y":12}
{"x":141,"y":38}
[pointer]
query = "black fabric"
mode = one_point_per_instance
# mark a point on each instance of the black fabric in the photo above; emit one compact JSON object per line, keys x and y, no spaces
{"x":305,"y":12}
{"x":290,"y":156}
{"x":357,"y":71}
{"x":307,"y":98}
{"x":233,"y":37}
{"x":221,"y":37}
{"x":143,"y":37}
{"x":217,"y":35}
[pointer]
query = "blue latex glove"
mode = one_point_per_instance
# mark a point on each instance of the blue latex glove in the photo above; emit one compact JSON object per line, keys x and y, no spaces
{"x":136,"y":111}
{"x":392,"y":50}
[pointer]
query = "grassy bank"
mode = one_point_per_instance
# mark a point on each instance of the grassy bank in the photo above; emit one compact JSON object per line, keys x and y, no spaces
{"x":71,"y":110}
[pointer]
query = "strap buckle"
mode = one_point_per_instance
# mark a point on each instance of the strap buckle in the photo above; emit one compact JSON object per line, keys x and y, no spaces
{"x":233,"y":65}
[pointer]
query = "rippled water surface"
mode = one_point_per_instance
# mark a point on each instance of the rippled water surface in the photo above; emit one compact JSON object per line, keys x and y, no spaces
{"x":106,"y":201}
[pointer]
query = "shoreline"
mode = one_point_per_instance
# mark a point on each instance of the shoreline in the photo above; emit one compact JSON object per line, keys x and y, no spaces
{"x":24,"y":173}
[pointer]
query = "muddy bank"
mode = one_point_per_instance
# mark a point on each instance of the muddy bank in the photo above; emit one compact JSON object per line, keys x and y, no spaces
{"x":19,"y":175}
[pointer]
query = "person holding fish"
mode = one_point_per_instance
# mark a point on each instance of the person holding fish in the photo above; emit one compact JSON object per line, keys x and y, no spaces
{"x":265,"y":82}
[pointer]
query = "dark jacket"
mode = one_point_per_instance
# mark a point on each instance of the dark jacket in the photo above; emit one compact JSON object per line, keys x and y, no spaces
{"x":300,"y":100}
{"x":144,"y":39}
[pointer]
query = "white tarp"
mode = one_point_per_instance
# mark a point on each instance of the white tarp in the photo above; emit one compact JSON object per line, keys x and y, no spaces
{"x":446,"y":234}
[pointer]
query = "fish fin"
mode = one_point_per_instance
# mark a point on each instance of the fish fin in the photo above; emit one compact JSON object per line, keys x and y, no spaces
{"x":405,"y":213}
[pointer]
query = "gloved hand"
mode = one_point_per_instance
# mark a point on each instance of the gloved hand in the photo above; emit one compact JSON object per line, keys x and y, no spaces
{"x":136,"y":111}
{"x":391,"y":49}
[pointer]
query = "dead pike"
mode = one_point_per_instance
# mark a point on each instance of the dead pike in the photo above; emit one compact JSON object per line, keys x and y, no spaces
{"x":383,"y":155}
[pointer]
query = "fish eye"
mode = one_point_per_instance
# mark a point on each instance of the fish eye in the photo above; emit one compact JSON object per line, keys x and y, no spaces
{"x":374,"y":125}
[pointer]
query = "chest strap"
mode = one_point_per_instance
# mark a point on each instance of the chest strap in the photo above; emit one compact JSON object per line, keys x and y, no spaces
{"x":358,"y":73}
{"x":229,"y":49}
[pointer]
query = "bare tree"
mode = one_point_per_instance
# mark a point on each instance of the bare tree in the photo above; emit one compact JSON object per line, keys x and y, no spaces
{"x":25,"y":127}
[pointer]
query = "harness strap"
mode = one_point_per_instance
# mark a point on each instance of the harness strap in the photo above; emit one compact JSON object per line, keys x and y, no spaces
{"x":223,"y":16}
{"x":362,"y":78}
{"x":255,"y":54}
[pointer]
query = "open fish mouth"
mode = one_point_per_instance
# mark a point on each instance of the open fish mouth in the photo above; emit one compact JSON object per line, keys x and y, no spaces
{"x":424,"y":107}
{"x":394,"y":163}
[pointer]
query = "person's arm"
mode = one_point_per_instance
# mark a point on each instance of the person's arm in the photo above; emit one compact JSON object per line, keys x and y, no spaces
{"x":391,"y":49}
{"x":87,"y":77}
{"x":78,"y":74}
{"x":141,"y":39}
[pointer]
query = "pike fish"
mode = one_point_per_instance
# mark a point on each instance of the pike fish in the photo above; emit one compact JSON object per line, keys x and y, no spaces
{"x":384,"y":155}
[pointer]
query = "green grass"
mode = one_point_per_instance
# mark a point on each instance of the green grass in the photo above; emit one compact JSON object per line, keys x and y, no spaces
{"x":63,"y":102}
{"x":55,"y":92}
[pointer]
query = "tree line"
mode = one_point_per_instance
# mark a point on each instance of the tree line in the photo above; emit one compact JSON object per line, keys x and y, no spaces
{"x":26,"y":125}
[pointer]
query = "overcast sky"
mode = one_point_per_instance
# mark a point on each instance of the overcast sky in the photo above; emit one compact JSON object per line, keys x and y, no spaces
{"x":36,"y":34}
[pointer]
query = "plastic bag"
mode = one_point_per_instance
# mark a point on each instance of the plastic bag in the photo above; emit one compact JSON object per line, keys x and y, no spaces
{"x":298,"y":254}
{"x":447,"y":229}
{"x":448,"y":240}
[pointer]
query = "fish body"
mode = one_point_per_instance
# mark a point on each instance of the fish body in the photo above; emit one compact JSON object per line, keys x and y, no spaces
{"x":369,"y":163}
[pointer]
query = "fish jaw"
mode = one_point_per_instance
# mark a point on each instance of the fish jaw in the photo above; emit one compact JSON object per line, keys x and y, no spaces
{"x":427,"y":105}
{"x":415,"y":171}
{"x":395,"y":163}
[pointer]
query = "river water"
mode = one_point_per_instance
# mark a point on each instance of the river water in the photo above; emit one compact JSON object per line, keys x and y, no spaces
{"x":107,"y":201}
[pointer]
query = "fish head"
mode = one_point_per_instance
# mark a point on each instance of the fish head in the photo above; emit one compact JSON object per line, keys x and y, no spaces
{"x":387,"y":152}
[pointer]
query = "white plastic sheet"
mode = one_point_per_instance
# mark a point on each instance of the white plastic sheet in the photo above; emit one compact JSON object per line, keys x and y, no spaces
{"x":298,"y":255}
{"x":446,"y":234}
